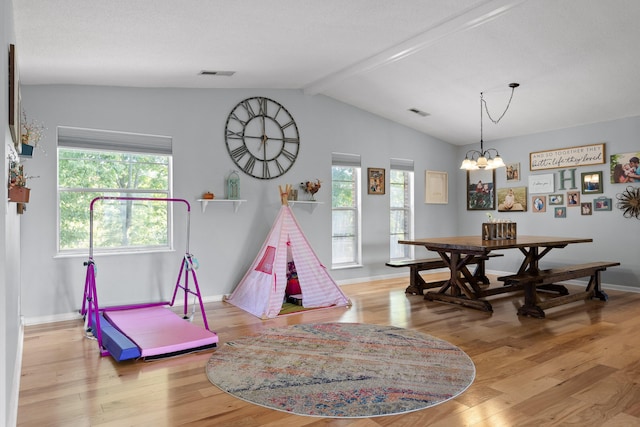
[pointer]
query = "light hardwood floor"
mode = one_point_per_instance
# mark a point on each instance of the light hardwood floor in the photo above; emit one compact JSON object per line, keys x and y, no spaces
{"x":580,"y":366}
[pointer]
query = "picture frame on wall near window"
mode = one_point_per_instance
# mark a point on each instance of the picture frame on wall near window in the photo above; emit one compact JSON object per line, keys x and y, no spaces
{"x":375,"y":181}
{"x":436,"y":187}
{"x":481,"y":194}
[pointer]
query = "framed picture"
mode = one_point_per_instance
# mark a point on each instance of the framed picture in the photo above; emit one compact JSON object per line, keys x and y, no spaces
{"x":559,"y":213}
{"x":584,"y":155}
{"x":591,"y":182}
{"x":573,"y":199}
{"x":539,"y":203}
{"x":436,"y":188}
{"x":586,"y":208}
{"x":513,"y":172}
{"x":556,"y":199}
{"x":624,"y":168}
{"x":602,"y":204}
{"x":375,"y":180}
{"x":14,"y":97}
{"x":541,"y":183}
{"x":512,"y":199}
{"x":481,"y":190}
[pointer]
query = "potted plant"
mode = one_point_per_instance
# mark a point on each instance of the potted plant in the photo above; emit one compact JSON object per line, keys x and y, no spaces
{"x":30,"y":135}
{"x":18,"y":191}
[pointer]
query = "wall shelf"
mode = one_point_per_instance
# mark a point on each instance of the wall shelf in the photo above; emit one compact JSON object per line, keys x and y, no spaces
{"x":311,"y":204}
{"x":236,"y":203}
{"x":304,"y":202}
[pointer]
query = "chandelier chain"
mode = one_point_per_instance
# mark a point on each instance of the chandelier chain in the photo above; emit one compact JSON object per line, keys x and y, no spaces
{"x":483,"y":102}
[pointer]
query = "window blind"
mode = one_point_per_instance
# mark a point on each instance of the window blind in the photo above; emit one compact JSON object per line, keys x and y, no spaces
{"x":73,"y":137}
{"x":345,"y":159}
{"x":402,"y":164}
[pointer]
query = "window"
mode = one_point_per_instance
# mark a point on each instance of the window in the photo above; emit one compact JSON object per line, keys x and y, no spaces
{"x":93,"y":163}
{"x":345,"y":210}
{"x":401,"y":207}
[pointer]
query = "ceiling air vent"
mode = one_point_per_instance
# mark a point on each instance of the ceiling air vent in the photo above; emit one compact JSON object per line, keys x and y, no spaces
{"x":419,"y":112}
{"x":217,"y":73}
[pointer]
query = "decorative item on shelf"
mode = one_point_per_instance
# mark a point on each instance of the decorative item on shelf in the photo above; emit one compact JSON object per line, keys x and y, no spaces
{"x":483,"y":159}
{"x":311,"y":188}
{"x":293,"y":195}
{"x":208,"y":195}
{"x":19,"y":194}
{"x":233,"y":186}
{"x":629,"y":202}
{"x":30,"y":135}
{"x":18,"y":191}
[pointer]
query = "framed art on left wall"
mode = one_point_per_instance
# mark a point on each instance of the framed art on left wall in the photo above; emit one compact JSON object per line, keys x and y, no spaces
{"x":14,"y":96}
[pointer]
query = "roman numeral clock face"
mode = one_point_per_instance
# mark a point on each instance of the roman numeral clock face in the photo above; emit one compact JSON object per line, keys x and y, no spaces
{"x":262,"y":138}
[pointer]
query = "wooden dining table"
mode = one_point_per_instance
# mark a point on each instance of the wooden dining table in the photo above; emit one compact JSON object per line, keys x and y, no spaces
{"x":469,"y":289}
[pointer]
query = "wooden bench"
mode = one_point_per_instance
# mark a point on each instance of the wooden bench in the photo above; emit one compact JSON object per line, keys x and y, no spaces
{"x":417,"y":284}
{"x":546,"y":279}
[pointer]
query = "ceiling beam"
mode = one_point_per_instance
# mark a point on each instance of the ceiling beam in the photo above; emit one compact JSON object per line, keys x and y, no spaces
{"x":470,"y":18}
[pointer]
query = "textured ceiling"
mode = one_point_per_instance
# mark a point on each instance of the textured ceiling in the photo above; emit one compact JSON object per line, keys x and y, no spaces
{"x":576,"y":60}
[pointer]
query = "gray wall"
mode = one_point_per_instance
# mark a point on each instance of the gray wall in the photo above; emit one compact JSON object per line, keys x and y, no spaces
{"x":224,"y":242}
{"x":614,"y":237}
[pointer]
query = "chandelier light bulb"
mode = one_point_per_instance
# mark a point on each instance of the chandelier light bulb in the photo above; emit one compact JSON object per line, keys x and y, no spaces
{"x":498,"y":162}
{"x":482,"y":162}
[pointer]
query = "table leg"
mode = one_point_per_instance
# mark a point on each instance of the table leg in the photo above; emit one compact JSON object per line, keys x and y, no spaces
{"x":459,"y":292}
{"x":532,"y":257}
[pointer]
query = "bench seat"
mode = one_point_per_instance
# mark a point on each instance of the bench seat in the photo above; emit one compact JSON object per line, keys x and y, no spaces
{"x":417,"y":284}
{"x":546,"y":279}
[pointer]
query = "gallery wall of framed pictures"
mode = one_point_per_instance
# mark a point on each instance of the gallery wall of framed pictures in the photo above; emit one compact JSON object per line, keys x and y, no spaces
{"x":575,"y":179}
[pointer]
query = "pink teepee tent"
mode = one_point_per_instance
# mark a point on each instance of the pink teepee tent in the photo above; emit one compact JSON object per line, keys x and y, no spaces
{"x":261,"y":291}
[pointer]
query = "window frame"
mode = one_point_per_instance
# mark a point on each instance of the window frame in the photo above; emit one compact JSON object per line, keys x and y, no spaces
{"x":353,"y":161}
{"x":408,"y":208}
{"x":90,"y":140}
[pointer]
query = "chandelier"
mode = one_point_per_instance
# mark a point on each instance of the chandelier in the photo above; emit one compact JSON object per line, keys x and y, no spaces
{"x":489,"y":158}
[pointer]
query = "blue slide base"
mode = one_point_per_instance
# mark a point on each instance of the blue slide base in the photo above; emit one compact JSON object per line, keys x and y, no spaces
{"x":117,"y":344}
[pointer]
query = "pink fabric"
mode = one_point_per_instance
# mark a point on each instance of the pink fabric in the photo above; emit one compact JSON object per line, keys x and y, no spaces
{"x":262,"y":294}
{"x":158,"y":330}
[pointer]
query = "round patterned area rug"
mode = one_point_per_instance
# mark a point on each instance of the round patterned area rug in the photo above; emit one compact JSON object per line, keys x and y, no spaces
{"x":348,"y":370}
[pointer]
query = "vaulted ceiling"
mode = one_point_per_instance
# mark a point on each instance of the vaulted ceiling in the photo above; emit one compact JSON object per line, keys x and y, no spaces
{"x":577,"y":61}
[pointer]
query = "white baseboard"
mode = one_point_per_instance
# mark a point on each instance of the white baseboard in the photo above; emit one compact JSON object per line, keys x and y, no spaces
{"x":216,"y":298}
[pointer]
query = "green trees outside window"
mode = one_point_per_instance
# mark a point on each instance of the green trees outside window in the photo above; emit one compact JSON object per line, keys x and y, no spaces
{"x":118,"y":225}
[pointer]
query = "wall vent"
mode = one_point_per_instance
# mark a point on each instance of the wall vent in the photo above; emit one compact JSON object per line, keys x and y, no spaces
{"x":419,"y":112}
{"x":217,"y":73}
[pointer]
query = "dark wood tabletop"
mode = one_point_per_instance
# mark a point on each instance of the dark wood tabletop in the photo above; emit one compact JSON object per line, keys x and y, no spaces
{"x":476,"y":244}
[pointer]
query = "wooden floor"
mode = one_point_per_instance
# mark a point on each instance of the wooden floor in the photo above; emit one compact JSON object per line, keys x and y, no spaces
{"x":580,"y":366}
